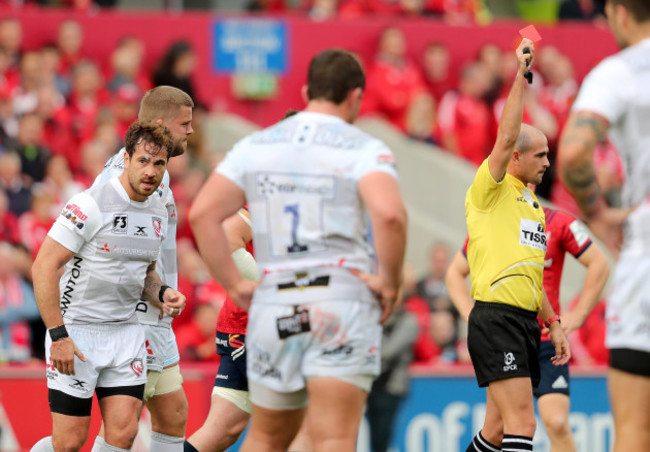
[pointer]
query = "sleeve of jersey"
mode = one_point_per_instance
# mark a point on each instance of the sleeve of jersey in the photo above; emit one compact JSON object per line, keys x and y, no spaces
{"x":464,"y":250}
{"x":233,"y":166}
{"x":575,"y":238}
{"x":378,"y":158}
{"x":78,"y":222}
{"x":484,"y":190}
{"x":606,"y":90}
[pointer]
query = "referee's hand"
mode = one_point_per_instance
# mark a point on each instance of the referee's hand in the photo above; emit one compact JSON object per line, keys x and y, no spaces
{"x":562,"y":350}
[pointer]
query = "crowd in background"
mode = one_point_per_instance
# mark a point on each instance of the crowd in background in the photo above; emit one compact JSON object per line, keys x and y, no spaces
{"x":63,"y":114}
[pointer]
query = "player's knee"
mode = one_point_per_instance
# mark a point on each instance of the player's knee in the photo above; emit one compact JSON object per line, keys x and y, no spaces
{"x":235,"y":429}
{"x":123,"y":436}
{"x":557,"y":426}
{"x":71,"y":441}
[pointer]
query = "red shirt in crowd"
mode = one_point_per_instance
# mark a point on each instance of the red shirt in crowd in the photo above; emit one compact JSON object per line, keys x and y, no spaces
{"x":469,"y":120}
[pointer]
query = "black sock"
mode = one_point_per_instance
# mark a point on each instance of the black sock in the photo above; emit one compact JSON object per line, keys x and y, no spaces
{"x":516,"y":443}
{"x":480,"y":444}
{"x":187,"y":447}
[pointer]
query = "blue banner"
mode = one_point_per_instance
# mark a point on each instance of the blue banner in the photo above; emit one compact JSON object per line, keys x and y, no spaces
{"x":250,"y":46}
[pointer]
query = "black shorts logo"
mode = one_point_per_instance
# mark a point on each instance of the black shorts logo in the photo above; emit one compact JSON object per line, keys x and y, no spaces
{"x":294,"y":324}
{"x":508,"y":360}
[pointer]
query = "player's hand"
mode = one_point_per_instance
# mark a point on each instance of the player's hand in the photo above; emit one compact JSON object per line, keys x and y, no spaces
{"x":242,"y":293}
{"x":386,"y":295}
{"x":173,"y":303}
{"x":525,"y":60}
{"x":562,"y":350}
{"x":62,"y":353}
{"x":571,"y":321}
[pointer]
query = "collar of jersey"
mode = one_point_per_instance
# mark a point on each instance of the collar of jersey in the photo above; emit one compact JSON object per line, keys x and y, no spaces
{"x":120,"y":189}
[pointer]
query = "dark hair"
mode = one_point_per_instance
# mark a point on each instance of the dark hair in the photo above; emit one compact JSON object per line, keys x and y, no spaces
{"x":152,"y":133}
{"x":163,"y":102}
{"x":640,"y":9}
{"x":333,"y":74}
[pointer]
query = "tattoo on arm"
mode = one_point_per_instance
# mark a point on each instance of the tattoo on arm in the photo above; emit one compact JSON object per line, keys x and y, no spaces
{"x":152,"y":284}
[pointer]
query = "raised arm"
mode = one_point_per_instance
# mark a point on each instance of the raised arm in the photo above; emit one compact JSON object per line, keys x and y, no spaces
{"x":512,"y":115}
{"x":455,"y":279}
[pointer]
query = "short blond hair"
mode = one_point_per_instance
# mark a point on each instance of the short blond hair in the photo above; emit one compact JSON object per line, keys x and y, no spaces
{"x":163,"y":102}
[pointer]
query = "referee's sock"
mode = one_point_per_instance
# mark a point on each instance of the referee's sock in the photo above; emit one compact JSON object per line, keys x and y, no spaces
{"x":480,"y":444}
{"x":516,"y":443}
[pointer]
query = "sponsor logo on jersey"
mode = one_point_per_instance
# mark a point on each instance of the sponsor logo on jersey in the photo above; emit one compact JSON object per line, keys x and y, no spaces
{"x":509,"y":361}
{"x":140,"y":231}
{"x":295,"y":184}
{"x":120,"y":223}
{"x":386,"y":159}
{"x":262,"y":365}
{"x":340,"y":350}
{"x":303,"y":281}
{"x":79,"y":385}
{"x":157,"y":225}
{"x":137,"y":366}
{"x":531,"y":233}
{"x":75,"y":273}
{"x":74,"y":214}
{"x":580,"y":232}
{"x":105,"y":248}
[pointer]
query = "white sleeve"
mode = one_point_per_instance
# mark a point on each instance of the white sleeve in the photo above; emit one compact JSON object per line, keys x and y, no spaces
{"x":376,"y":157}
{"x":233,"y":165}
{"x":78,"y":222}
{"x":606,"y":90}
{"x":114,"y":167}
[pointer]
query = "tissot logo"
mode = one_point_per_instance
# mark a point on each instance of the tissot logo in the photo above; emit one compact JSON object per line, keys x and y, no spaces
{"x":531,"y":233}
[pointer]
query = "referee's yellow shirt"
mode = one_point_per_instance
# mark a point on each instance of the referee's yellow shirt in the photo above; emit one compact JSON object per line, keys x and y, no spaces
{"x":507,"y":243}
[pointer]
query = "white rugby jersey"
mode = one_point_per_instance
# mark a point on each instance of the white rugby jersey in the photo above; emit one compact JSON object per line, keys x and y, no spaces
{"x":114,"y":239}
{"x":166,"y":266}
{"x":300,"y":177}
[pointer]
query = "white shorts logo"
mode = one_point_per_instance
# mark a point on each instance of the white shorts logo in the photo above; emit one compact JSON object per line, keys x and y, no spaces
{"x":531,"y":233}
{"x":508,"y":360}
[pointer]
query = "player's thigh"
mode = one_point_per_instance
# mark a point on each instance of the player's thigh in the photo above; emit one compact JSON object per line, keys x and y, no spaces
{"x":225,"y":415}
{"x":630,"y":399}
{"x":339,"y":406}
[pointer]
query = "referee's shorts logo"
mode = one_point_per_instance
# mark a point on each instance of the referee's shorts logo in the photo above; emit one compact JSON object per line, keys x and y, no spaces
{"x":509,"y":359}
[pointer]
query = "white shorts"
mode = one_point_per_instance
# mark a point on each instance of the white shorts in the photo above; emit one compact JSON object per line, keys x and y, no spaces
{"x":628,"y":305}
{"x":162,"y":350}
{"x":343,"y":340}
{"x":115,"y":356}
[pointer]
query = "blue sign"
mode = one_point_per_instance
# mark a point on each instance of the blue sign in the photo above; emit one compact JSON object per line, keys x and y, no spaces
{"x":250,"y":46}
{"x":442,"y":414}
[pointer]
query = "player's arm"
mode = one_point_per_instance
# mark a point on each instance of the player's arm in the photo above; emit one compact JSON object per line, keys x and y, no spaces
{"x":46,"y":272}
{"x":512,"y":115}
{"x":455,"y":279}
{"x":558,"y":339}
{"x":583,"y":131}
{"x":380,"y":194}
{"x":597,"y":273}
{"x":239,"y":233}
{"x":170,"y":301}
{"x":219,"y":199}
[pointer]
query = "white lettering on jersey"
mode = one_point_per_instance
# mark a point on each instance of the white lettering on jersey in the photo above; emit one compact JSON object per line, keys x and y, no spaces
{"x":579,"y":231}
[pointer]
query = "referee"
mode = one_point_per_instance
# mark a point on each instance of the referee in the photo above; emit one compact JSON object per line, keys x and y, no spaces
{"x":506,"y":250}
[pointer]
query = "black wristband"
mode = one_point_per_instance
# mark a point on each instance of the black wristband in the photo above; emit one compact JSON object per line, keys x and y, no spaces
{"x":163,"y":288}
{"x":58,"y":333}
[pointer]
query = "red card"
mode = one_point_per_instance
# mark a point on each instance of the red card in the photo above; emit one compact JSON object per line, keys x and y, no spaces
{"x":530,"y":32}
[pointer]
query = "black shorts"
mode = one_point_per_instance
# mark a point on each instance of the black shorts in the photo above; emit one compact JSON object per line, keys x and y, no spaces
{"x":631,"y":361}
{"x":555,"y":379}
{"x":232,"y":369}
{"x":503,"y":342}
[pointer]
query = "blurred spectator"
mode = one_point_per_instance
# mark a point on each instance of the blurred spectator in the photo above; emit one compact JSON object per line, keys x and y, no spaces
{"x":51,"y":60}
{"x":84,"y":106}
{"x":9,"y":231}
{"x":491,"y":56}
{"x":390,"y":388}
{"x":592,"y":332}
{"x":125,"y":106}
{"x":59,"y":182}
{"x":321,"y":10}
{"x":581,"y":9}
{"x":437,"y":70}
{"x":8,"y":120}
{"x":17,"y":307}
{"x":464,"y":119}
{"x":176,"y":67}
{"x":11,"y":182}
{"x":561,"y":87}
{"x":33,"y":156}
{"x":421,"y":118}
{"x":94,"y":155}
{"x":31,"y":78}
{"x":57,"y":123}
{"x":36,"y":222}
{"x":126,"y":65}
{"x":393,"y":80}
{"x":69,"y":42}
{"x":11,"y":38}
{"x":196,"y":339}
